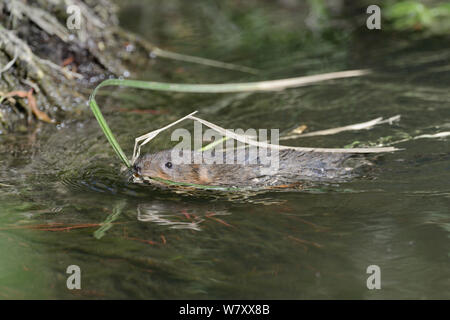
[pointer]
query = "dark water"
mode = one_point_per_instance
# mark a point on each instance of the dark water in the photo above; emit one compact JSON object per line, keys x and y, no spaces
{"x":63,"y":200}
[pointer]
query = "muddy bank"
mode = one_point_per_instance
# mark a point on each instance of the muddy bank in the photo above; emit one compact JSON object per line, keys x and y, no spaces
{"x":50,"y":56}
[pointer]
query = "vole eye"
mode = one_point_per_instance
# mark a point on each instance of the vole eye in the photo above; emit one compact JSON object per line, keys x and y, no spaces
{"x":169,"y":164}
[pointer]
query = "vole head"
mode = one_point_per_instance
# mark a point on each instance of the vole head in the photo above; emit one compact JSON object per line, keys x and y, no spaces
{"x":160,"y":165}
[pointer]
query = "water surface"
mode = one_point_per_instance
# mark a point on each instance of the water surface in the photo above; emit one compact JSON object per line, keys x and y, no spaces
{"x":64,"y":201}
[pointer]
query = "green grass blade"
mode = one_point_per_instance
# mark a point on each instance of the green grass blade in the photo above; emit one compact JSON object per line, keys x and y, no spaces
{"x":105,"y":128}
{"x":203,"y":61}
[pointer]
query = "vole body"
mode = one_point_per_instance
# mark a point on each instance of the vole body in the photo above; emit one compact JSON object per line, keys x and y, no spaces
{"x":251,"y":170}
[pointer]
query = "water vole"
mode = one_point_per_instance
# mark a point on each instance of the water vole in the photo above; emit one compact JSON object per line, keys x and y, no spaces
{"x":292,"y":167}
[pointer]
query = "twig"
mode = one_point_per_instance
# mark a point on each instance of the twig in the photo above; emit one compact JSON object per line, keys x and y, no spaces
{"x":352,"y":127}
{"x":5,"y":185}
{"x":38,"y":113}
{"x":11,"y":63}
{"x":424,"y":136}
{"x":245,"y":139}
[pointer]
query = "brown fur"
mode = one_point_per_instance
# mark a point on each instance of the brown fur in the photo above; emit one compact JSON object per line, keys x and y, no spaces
{"x":294,"y":167}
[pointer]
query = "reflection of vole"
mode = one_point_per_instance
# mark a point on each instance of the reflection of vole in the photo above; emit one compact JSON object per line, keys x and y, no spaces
{"x":293,"y":167}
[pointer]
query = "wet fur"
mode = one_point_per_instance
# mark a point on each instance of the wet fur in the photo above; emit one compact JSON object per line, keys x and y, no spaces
{"x":294,"y":167}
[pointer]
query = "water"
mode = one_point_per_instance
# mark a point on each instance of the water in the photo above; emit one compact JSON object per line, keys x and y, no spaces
{"x":65,"y":202}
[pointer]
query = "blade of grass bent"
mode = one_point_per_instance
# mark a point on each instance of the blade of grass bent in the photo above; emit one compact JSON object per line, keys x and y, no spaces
{"x":158,"y":52}
{"x":207,"y":62}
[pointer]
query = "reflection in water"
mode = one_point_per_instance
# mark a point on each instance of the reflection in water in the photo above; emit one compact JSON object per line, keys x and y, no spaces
{"x":154,"y":212}
{"x":179,"y":218}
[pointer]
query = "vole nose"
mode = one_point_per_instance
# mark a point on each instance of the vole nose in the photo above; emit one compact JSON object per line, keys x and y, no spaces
{"x":137,"y":169}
